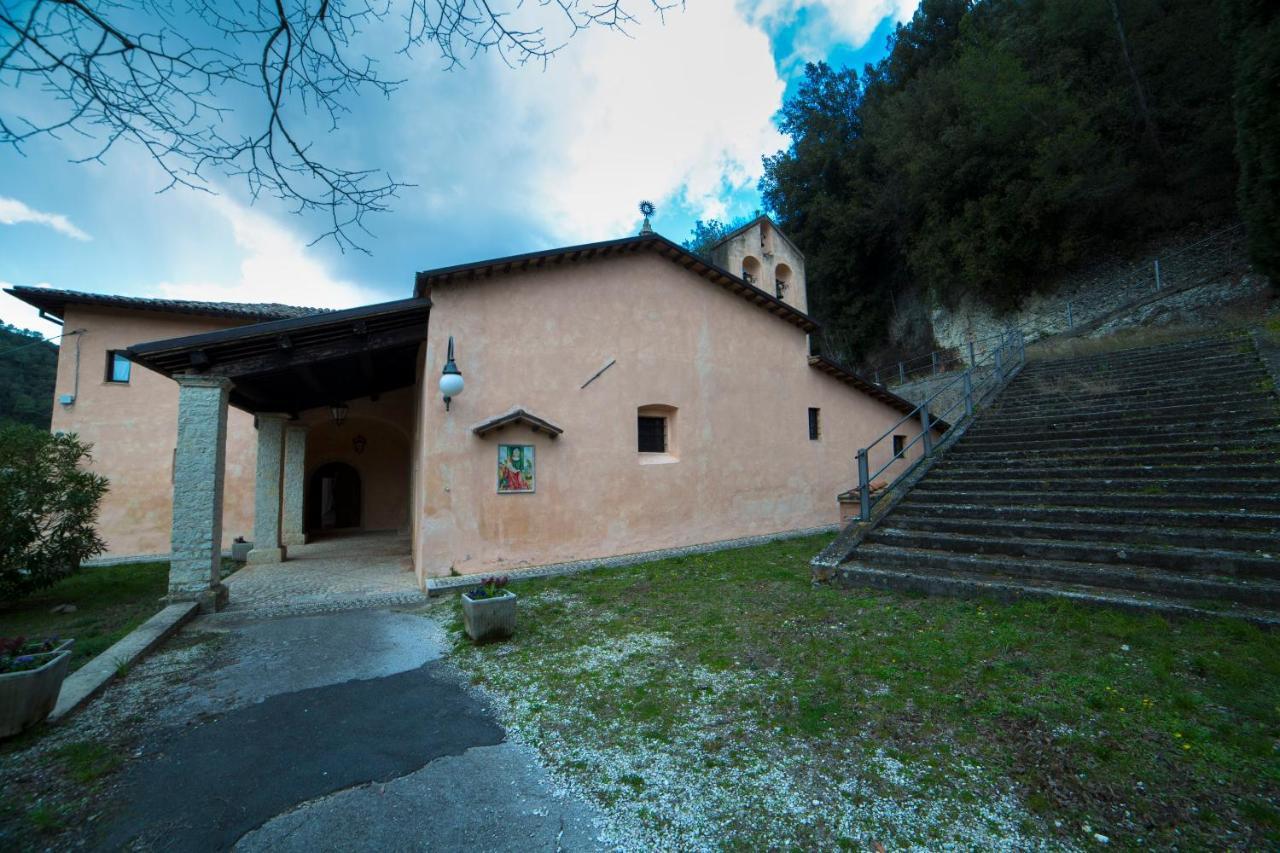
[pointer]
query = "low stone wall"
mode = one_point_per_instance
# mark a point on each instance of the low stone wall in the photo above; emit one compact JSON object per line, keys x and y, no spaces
{"x":1102,"y":291}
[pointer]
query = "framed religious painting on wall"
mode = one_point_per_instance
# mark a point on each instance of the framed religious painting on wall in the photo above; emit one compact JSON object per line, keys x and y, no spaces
{"x":515,"y":469}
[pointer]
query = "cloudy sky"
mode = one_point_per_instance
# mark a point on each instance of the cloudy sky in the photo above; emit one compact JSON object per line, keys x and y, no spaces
{"x":502,"y":161}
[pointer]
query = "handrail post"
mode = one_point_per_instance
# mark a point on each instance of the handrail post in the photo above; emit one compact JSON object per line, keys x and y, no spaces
{"x":1157,"y":273}
{"x":934,"y":356}
{"x":878,"y":382}
{"x":972,"y":361}
{"x":968,"y":394}
{"x":926,"y":432}
{"x":902,"y":374}
{"x":999,"y":368}
{"x":864,"y":485}
{"x":1022,"y":347}
{"x":1070,"y":322}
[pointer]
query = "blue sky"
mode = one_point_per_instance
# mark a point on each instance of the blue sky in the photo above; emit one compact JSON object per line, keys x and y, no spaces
{"x":503,"y":161}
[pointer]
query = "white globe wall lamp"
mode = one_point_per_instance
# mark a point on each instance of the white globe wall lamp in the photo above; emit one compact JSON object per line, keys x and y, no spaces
{"x":450,"y":379}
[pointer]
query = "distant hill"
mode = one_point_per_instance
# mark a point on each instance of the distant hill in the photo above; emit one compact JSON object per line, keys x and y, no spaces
{"x":28,"y":366}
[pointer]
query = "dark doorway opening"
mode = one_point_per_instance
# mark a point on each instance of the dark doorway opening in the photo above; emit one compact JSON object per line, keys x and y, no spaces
{"x":333,"y":498}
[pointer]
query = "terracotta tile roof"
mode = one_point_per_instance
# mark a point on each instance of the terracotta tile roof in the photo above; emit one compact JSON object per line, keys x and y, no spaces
{"x":54,"y":302}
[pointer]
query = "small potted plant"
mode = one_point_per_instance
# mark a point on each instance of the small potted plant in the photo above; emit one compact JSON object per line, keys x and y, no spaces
{"x":31,"y":675}
{"x":489,"y":611}
{"x":240,"y":549}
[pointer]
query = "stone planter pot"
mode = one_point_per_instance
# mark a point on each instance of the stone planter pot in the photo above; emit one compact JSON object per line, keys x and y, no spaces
{"x":27,"y":697}
{"x":488,"y":619}
{"x":240,"y":551}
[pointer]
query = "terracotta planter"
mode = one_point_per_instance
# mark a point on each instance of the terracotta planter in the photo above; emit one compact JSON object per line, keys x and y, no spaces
{"x":488,"y":619}
{"x":27,"y":697}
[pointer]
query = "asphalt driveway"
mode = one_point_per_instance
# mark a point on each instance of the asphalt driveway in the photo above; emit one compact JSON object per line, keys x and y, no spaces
{"x":341,"y":731}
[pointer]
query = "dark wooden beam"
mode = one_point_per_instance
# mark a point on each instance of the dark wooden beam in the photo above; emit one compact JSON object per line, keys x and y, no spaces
{"x":274,"y":361}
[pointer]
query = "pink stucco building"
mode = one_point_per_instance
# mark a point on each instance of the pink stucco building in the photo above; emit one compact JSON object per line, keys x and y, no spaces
{"x":621,"y":397}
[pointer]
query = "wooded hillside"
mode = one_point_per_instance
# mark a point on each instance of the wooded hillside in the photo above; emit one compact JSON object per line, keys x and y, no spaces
{"x":28,"y":366}
{"x":999,"y":143}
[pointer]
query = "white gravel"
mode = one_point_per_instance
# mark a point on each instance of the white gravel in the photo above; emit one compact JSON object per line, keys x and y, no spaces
{"x":714,"y":779}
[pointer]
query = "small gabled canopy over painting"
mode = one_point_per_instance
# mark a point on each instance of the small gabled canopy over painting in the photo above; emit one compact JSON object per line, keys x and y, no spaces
{"x":515,"y":416}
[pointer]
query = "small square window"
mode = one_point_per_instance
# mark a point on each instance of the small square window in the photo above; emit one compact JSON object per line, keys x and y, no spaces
{"x":118,"y":366}
{"x":815,"y":424}
{"x":652,"y":433}
{"x":899,"y":444}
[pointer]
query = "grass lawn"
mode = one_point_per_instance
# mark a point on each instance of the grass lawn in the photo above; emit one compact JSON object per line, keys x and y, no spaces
{"x":721,"y":700}
{"x":110,"y":602}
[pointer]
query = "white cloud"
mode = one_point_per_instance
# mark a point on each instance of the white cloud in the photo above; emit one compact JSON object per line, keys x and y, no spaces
{"x":14,"y":212}
{"x":683,"y":110}
{"x":679,"y":112}
{"x":832,"y":21}
{"x":275,"y":267}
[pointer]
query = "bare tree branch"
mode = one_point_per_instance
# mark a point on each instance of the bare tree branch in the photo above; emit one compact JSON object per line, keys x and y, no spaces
{"x":166,"y":79}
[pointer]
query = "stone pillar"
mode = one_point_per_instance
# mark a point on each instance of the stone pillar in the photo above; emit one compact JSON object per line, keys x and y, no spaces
{"x":295,"y":484}
{"x":195,"y":561}
{"x":267,"y":547}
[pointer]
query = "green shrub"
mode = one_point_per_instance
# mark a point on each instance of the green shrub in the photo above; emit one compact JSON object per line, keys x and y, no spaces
{"x":48,"y":507}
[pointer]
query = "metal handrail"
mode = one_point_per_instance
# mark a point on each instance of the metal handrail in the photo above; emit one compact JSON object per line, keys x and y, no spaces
{"x":1007,"y":357}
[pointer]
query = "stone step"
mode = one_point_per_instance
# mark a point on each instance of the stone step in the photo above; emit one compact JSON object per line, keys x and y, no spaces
{"x":1162,"y":405}
{"x":1154,"y":362}
{"x":1219,"y":375}
{"x":1156,"y":369}
{"x":1214,"y":343}
{"x":1227,"y":522}
{"x":1131,"y":555}
{"x":982,"y":581}
{"x":1251,"y":449}
{"x":1021,"y":394}
{"x":1137,"y":486}
{"x":925,"y":493}
{"x":1262,"y":433}
{"x":1018,"y":397}
{"x":1059,"y":420}
{"x":1203,"y":373}
{"x":1111,"y":457}
{"x":1124,"y":468}
{"x":1251,"y":591}
{"x":1158,"y":531}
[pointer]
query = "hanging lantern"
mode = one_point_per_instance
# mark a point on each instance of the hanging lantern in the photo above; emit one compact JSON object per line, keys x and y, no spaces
{"x":339,"y":412}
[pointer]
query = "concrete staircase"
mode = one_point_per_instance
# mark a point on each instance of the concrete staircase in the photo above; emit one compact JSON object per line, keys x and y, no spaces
{"x":1147,"y":478}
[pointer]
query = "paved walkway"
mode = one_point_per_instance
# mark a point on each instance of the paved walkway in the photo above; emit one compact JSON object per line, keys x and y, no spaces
{"x":341,"y":573}
{"x":337,"y":731}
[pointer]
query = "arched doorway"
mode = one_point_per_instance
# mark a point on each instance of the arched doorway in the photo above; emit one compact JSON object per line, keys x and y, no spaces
{"x":333,"y":498}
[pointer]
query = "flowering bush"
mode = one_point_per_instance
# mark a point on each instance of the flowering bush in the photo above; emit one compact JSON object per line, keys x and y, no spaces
{"x":18,"y":654}
{"x":490,"y":587}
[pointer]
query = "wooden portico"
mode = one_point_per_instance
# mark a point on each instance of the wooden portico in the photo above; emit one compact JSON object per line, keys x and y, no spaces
{"x":273,"y":370}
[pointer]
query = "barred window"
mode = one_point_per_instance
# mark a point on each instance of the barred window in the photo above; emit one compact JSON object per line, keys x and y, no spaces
{"x":815,"y":425}
{"x":652,"y":431}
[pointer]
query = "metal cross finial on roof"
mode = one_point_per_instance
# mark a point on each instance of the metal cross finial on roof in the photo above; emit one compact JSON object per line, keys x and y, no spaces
{"x":646,"y":208}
